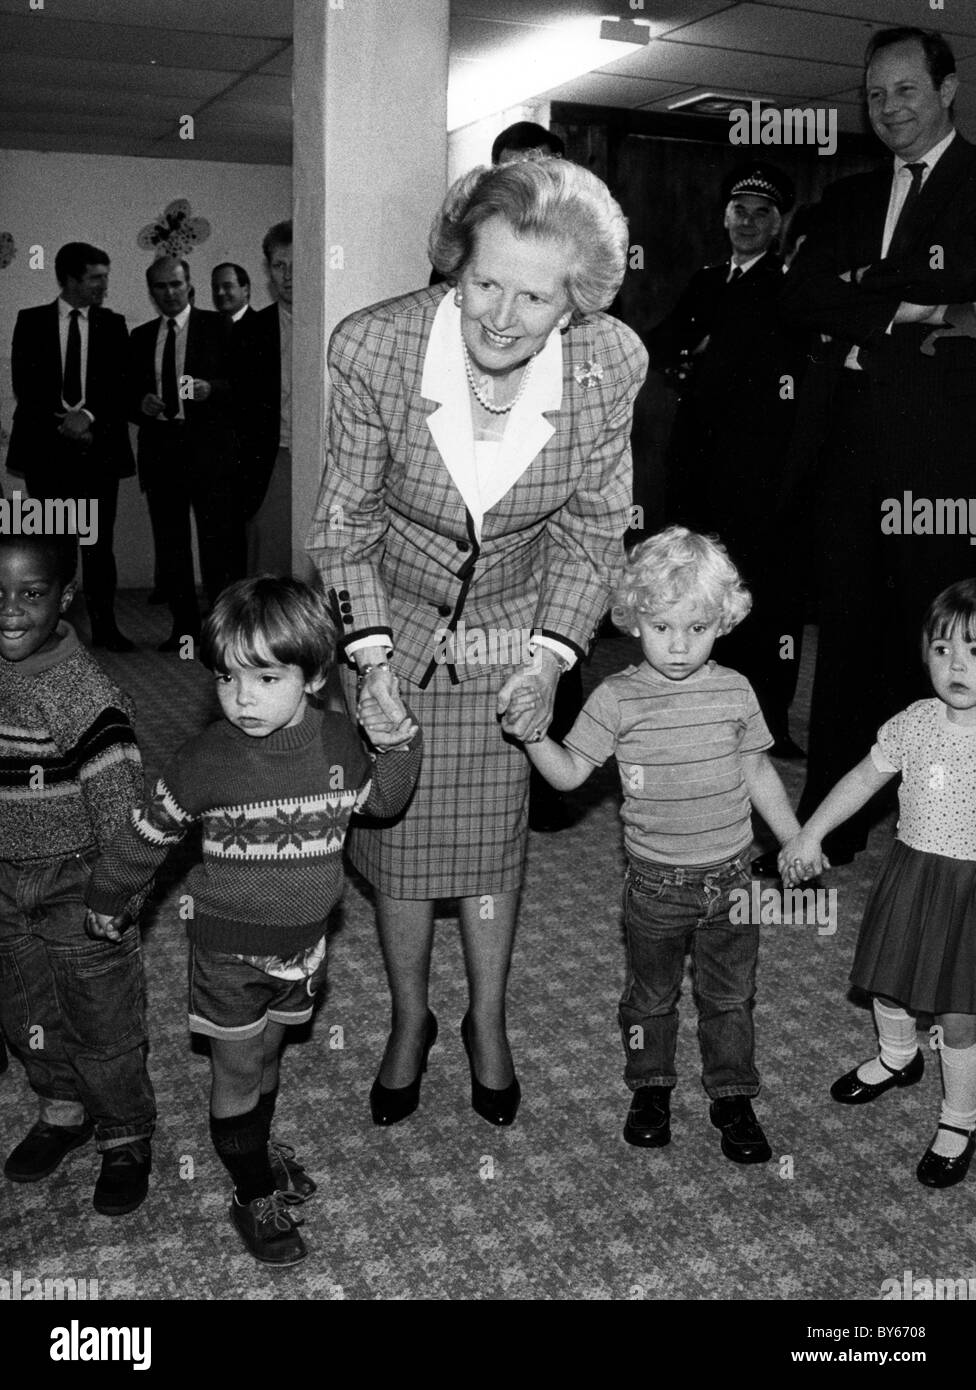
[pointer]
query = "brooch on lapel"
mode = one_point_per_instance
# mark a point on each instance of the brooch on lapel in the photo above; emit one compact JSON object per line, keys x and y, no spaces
{"x":590,"y":374}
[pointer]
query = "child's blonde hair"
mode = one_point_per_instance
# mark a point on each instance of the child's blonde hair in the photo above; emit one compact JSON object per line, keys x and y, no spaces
{"x":671,"y":565}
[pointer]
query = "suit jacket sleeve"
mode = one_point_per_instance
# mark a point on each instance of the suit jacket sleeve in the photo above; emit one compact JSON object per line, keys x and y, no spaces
{"x":351,"y":517}
{"x":585,"y":536}
{"x":815,"y":297}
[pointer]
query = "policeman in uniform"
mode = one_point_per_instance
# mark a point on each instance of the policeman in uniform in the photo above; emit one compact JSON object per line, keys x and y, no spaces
{"x":727,"y":351}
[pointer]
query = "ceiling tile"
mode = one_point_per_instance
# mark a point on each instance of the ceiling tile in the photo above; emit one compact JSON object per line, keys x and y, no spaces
{"x":603,"y":89}
{"x":21,"y":34}
{"x":264,"y":18}
{"x":735,"y":72}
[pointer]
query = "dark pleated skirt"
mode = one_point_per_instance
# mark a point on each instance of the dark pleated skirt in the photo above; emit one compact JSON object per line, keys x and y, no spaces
{"x":917,"y":943}
{"x":465,"y":831}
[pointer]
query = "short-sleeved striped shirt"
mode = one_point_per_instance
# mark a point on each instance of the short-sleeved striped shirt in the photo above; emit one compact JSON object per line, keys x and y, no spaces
{"x":678,"y":746}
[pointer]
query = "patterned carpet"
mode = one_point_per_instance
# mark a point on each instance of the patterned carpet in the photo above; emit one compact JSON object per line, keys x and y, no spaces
{"x":558,"y":1207}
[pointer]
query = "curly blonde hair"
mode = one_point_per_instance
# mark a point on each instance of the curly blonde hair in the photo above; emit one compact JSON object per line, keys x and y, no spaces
{"x":544,"y":198}
{"x":671,"y":565}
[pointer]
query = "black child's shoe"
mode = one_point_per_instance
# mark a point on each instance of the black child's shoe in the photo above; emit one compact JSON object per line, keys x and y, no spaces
{"x":124,"y":1180}
{"x":936,"y":1170}
{"x":267,"y":1228}
{"x":42,"y":1149}
{"x":649,"y":1118}
{"x":289,"y":1175}
{"x":849,"y":1089}
{"x":742,"y":1138}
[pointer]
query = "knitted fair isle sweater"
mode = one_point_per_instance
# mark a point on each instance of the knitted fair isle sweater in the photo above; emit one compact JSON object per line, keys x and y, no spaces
{"x":275,"y":813}
{"x":69,"y":762}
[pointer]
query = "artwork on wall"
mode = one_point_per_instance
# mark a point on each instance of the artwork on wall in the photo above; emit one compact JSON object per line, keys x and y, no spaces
{"x":175,"y":232}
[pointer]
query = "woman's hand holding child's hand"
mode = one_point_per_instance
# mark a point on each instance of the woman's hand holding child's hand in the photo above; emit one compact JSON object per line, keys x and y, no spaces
{"x":386,"y":722}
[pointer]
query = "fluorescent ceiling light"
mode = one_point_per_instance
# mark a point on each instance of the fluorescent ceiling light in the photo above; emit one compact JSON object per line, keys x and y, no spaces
{"x":544,"y":59}
{"x":625,"y":31}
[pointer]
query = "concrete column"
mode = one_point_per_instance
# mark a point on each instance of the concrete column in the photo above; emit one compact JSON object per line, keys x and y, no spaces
{"x":370,"y":116}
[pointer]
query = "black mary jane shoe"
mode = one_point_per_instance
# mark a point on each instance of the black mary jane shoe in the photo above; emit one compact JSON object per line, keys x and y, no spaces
{"x":936,"y":1170}
{"x":649,"y":1118}
{"x":849,"y":1089}
{"x":390,"y":1104}
{"x":497,"y":1107}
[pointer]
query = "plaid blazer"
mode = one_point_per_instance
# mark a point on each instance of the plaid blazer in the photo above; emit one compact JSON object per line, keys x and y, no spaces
{"x":392,"y":536}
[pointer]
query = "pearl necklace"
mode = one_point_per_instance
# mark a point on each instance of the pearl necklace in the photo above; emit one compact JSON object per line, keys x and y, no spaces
{"x":479,"y":394}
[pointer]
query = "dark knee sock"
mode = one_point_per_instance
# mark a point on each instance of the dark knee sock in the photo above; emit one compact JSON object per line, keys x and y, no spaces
{"x":241,"y":1142}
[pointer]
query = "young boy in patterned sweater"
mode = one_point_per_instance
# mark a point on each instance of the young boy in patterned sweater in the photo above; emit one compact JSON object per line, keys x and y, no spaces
{"x":274,"y":783}
{"x":73,"y":1010}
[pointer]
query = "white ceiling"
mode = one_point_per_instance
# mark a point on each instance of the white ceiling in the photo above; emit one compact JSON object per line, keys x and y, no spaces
{"x":115,"y":76}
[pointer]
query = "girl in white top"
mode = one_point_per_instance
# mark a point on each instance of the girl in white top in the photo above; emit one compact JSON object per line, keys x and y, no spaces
{"x":916,"y":952}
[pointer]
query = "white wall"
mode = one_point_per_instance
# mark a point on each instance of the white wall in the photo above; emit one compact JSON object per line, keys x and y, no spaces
{"x":470,"y":145}
{"x":48,"y":199}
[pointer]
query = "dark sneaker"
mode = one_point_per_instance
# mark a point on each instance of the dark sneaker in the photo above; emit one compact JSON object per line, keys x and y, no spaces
{"x":289,"y":1175}
{"x":742,"y":1138}
{"x":267,"y":1228}
{"x":124,"y":1180}
{"x":42,"y":1149}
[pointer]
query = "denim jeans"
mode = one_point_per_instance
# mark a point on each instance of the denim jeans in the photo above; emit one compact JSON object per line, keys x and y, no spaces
{"x":668,"y":910}
{"x":72,"y":1009}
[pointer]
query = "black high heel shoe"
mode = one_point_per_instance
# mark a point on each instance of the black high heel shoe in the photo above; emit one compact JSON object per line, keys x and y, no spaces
{"x":390,"y":1104}
{"x":497,"y":1107}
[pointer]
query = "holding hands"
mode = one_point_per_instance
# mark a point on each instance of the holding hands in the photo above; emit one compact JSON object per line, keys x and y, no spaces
{"x":102,"y":926}
{"x":801,"y":858}
{"x":379,"y":709}
{"x":525,"y":701}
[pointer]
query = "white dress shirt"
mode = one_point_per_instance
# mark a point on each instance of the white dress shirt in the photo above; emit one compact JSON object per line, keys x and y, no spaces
{"x":182,"y":319}
{"x":64,"y":322}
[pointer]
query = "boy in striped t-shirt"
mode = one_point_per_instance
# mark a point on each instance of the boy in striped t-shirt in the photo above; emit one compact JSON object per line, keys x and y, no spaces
{"x":690,"y":741}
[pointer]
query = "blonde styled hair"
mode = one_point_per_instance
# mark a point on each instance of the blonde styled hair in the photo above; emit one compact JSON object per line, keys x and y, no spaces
{"x":672,"y":565}
{"x":543,"y":198}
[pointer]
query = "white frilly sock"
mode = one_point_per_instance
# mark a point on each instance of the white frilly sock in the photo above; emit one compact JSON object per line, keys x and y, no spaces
{"x":959,"y":1106}
{"x":897,"y":1039}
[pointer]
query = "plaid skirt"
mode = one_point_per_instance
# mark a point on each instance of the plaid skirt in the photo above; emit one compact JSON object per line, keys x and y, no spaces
{"x":464,"y":833}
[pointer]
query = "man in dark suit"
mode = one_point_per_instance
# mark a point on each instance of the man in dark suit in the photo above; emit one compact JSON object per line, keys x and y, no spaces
{"x":70,"y":436}
{"x":890,"y":258}
{"x":269,"y":418}
{"x":230,"y":287}
{"x":180,"y":396}
{"x":727,"y":349}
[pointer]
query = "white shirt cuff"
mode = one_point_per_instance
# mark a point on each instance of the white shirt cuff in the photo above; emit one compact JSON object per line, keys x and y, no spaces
{"x":560,"y":649}
{"x":362,"y":642}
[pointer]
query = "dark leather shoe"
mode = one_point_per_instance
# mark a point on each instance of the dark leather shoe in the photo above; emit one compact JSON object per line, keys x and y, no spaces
{"x":124,"y":1180}
{"x":935,"y":1170}
{"x":742,"y":1138}
{"x":497,"y":1107}
{"x":649,"y":1118}
{"x":4,"y":1063}
{"x":390,"y":1104}
{"x":850,"y":1090}
{"x":157,"y":598}
{"x":42,"y":1149}
{"x":111,"y":639}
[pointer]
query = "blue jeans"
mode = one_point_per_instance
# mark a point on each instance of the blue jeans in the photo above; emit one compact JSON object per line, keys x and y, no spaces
{"x":668,"y":910}
{"x":72,"y":1009}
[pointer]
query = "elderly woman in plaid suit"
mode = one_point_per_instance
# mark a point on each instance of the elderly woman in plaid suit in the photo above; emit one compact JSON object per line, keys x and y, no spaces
{"x":476,"y":491}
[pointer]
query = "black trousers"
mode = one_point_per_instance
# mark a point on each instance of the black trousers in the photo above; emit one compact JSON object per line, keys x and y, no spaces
{"x":873,"y":588}
{"x":65,"y":474}
{"x":185,"y":474}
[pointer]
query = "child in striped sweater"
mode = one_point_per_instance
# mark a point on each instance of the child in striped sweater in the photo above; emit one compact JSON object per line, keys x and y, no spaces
{"x":73,"y":1010}
{"x":274,"y":784}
